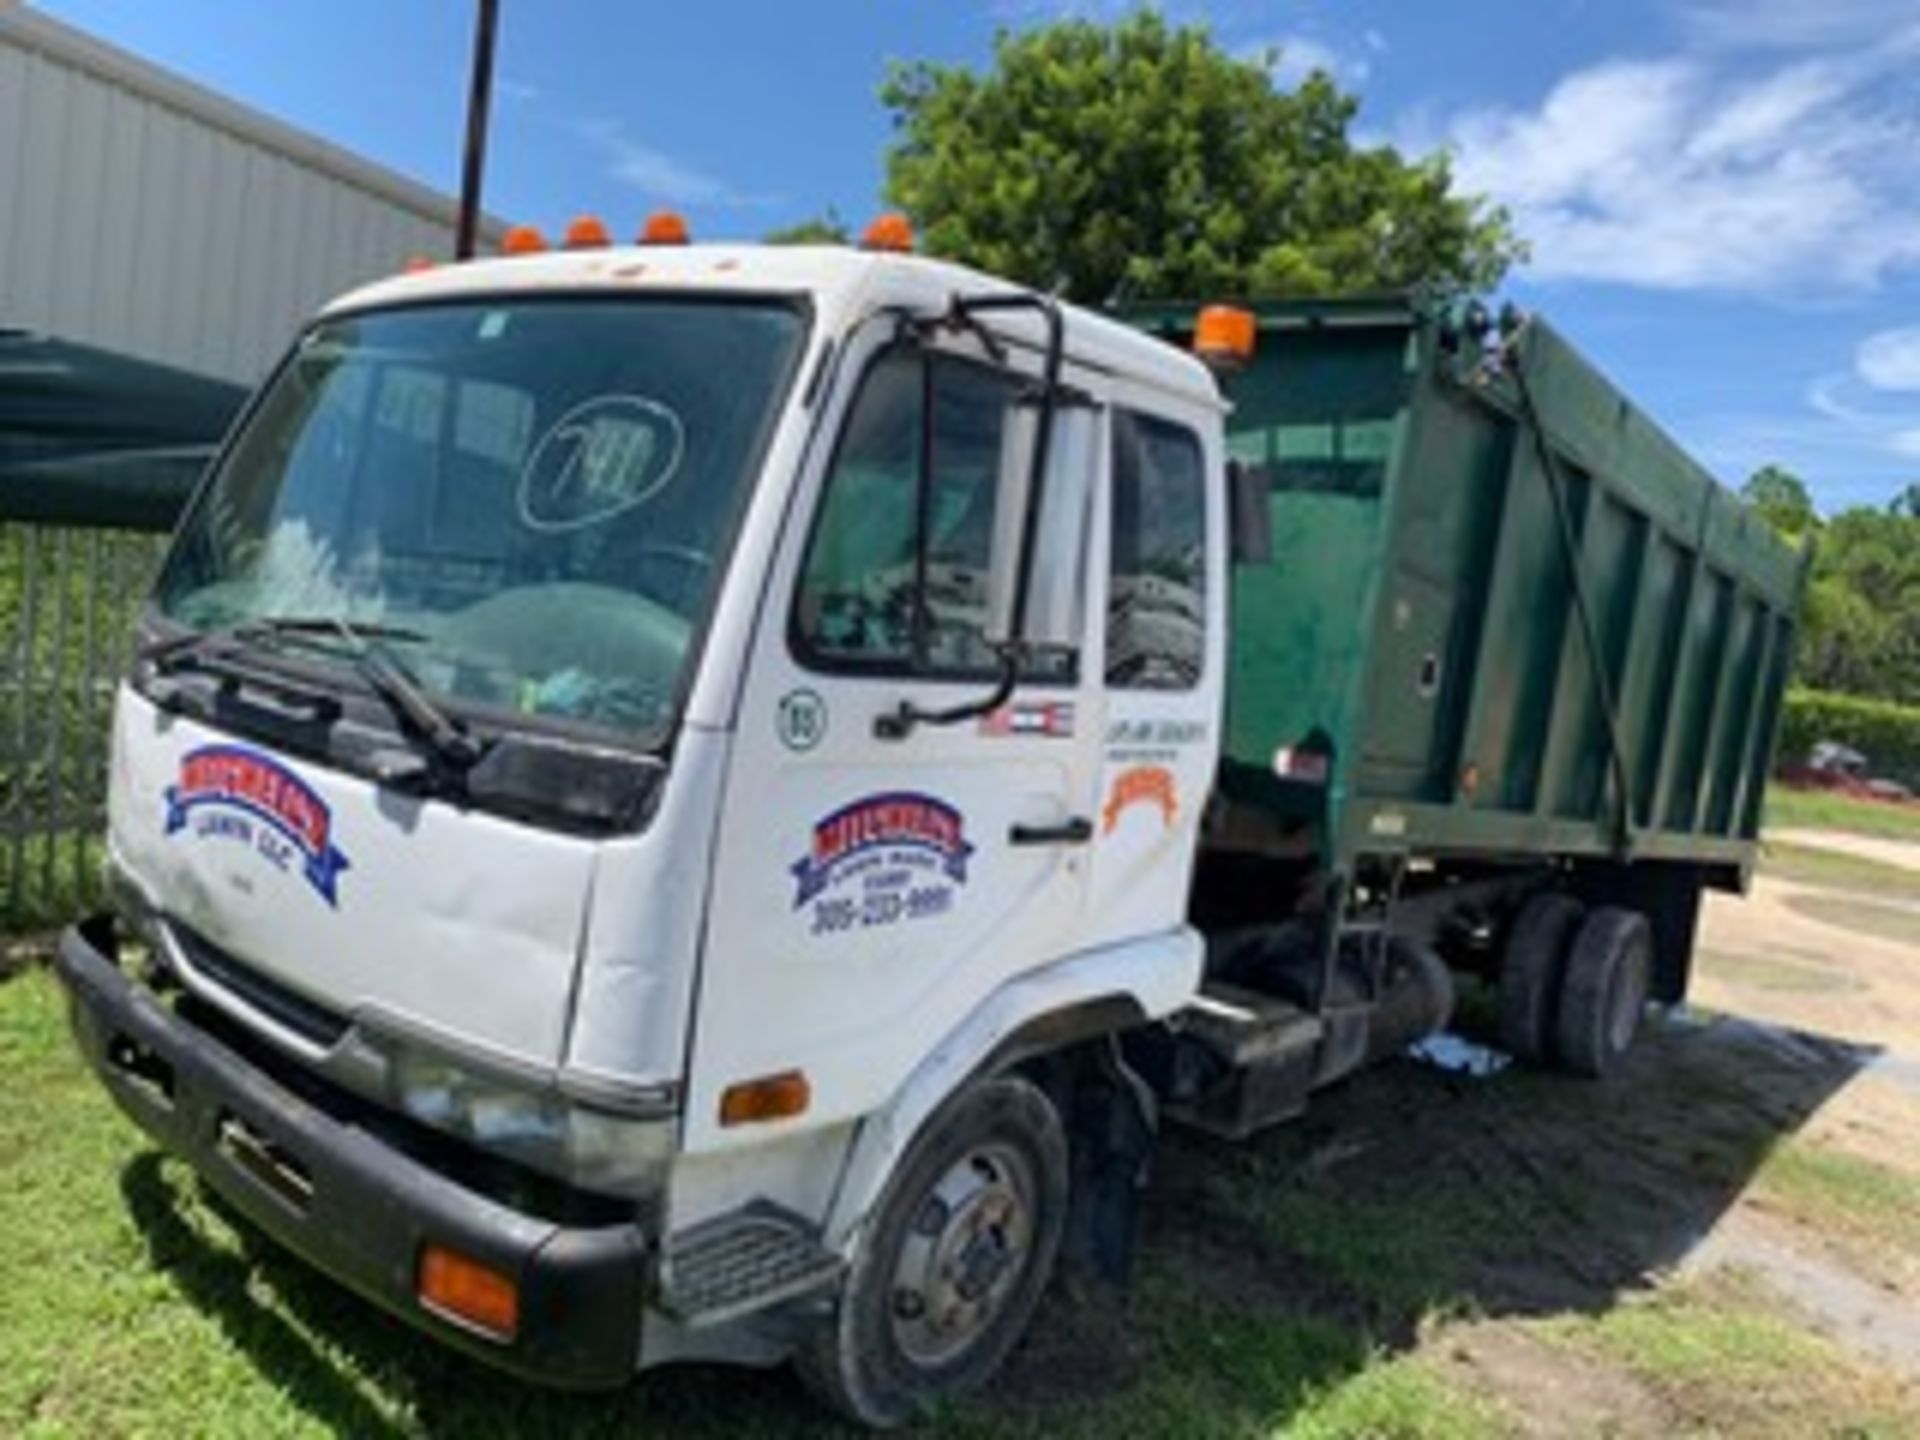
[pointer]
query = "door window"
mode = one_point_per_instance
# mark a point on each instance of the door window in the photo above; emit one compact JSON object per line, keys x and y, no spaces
{"x":865,"y":601}
{"x":1157,"y":578}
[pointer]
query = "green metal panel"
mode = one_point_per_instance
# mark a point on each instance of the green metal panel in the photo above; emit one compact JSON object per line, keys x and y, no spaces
{"x":1431,"y":511}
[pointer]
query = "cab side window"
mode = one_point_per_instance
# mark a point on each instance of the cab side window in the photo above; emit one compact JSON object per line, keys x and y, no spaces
{"x":1157,"y":565}
{"x":863,"y":602}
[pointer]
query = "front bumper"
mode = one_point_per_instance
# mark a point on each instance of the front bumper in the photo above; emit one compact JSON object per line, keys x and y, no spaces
{"x":352,"y":1205}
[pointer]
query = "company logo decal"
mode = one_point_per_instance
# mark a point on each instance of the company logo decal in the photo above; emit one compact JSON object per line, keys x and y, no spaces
{"x":884,"y":858}
{"x":1140,"y":785}
{"x":226,"y":792}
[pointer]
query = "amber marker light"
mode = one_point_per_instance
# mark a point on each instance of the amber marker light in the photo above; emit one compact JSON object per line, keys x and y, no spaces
{"x":770,"y":1097}
{"x":891,"y":232}
{"x":588,"y":232}
{"x":1223,"y":336}
{"x":468,"y":1293}
{"x":665,"y":227}
{"x":522,"y":240}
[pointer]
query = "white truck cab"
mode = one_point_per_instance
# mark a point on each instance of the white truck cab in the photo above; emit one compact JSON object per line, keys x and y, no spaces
{"x":651,"y":776}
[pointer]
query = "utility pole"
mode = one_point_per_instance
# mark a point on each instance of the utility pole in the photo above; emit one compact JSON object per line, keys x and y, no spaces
{"x":479,"y":97}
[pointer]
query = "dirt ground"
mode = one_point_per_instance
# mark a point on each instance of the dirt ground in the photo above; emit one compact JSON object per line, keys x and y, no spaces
{"x":1724,"y":1240}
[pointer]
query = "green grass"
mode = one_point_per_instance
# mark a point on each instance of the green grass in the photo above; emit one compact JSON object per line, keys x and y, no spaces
{"x":1728,"y":1358}
{"x":1837,"y":870}
{"x":1862,"y":917}
{"x":1288,"y":1289}
{"x":131,"y":1305}
{"x":1824,"y":810}
{"x":1840,"y":1192}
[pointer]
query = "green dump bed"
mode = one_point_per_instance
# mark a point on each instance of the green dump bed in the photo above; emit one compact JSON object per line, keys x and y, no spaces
{"x":1435,"y":520}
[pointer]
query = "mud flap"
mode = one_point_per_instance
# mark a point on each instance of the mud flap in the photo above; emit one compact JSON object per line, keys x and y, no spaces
{"x":1112,"y":1122}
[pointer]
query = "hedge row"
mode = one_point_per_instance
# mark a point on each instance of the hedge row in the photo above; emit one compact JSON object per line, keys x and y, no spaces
{"x":1886,"y":733}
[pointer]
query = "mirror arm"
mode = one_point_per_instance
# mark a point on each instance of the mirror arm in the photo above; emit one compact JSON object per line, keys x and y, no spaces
{"x":966,"y":310}
{"x":964,"y":313}
{"x":899,"y":723}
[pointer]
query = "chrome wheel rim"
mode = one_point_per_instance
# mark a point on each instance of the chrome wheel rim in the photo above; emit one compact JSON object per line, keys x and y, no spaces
{"x":968,"y":1246}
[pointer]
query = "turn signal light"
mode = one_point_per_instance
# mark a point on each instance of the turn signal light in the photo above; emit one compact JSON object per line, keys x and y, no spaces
{"x":892,"y":232}
{"x":771,"y":1097}
{"x":469,"y":1293}
{"x":522,"y":240}
{"x":1224,"y":335}
{"x":587,"y":232}
{"x":665,"y":227}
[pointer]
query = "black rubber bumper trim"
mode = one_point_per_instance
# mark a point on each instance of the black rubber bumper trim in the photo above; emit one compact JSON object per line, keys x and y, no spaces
{"x":367,"y":1209}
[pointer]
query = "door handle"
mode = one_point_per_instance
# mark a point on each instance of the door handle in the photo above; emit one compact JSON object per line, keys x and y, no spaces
{"x":1077,"y":830}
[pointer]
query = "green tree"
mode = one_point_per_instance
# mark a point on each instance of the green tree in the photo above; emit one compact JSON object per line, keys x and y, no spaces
{"x":1140,"y":159}
{"x":1782,"y":500}
{"x":827,"y":229}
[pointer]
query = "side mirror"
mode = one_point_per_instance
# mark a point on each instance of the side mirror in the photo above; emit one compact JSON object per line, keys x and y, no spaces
{"x":1019,"y":435}
{"x":1249,"y":496}
{"x":1056,"y":571}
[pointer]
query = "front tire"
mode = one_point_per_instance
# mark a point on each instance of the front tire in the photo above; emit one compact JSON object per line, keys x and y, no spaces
{"x":953,"y":1261}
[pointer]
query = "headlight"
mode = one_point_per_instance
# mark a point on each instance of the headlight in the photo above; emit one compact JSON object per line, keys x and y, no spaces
{"x":541,"y":1128}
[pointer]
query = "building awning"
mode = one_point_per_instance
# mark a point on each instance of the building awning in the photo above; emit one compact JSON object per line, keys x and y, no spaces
{"x":88,"y":437}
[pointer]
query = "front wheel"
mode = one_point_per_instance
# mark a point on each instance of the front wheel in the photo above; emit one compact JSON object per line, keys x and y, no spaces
{"x":954,"y":1259}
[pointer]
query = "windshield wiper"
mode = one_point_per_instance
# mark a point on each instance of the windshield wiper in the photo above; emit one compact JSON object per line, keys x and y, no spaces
{"x":170,"y":648}
{"x":367,"y":646}
{"x":395,"y":684}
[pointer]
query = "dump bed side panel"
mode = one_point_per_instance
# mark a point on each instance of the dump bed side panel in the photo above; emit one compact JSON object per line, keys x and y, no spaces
{"x":1440,"y":509}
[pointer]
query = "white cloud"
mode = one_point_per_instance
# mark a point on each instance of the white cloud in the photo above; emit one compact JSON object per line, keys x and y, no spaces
{"x":1890,"y":359}
{"x":1688,"y":172}
{"x":658,"y":175}
{"x":1793,"y":24}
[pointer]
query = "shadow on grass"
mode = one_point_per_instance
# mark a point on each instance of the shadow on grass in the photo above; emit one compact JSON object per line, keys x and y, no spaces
{"x":1269,"y":1273}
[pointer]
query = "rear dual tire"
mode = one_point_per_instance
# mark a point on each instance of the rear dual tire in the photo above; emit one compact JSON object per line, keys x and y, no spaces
{"x":1574,"y":984}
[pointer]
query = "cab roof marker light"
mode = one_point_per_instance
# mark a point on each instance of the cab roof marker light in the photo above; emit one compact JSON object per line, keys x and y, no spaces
{"x":665,"y":227}
{"x":891,"y":232}
{"x":522,"y":240}
{"x":1224,"y":336}
{"x":587,"y":232}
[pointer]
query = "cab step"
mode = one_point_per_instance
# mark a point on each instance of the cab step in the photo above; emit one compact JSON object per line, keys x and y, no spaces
{"x":741,"y":1262}
{"x":1246,"y":1027}
{"x":1263,"y":1049}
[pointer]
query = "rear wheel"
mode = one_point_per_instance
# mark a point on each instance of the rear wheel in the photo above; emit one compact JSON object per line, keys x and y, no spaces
{"x":1531,"y":968}
{"x":1604,"y":995}
{"x":954,"y":1260}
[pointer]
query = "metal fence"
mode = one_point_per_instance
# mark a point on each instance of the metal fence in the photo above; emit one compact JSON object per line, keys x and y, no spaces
{"x":68,"y":601}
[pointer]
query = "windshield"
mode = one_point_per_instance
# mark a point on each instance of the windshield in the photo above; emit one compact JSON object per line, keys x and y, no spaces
{"x":535,"y":495}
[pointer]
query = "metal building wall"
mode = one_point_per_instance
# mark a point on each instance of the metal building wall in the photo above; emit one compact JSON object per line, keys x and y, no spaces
{"x":151,"y":217}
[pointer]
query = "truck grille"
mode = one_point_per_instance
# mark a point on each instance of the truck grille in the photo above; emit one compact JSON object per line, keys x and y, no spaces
{"x":313,"y":1023}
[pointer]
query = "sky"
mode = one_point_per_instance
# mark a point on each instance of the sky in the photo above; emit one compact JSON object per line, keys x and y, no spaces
{"x":1722,"y":197}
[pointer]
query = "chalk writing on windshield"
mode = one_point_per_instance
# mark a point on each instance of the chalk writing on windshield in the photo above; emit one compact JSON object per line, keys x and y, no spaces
{"x":603,"y":457}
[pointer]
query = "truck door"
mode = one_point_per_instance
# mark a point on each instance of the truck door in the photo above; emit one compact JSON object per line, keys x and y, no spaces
{"x":870,"y":890}
{"x":1157,"y":563}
